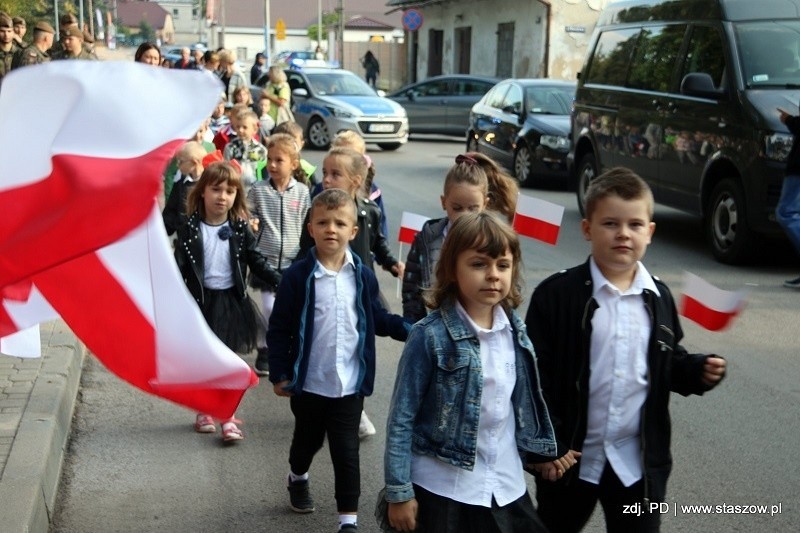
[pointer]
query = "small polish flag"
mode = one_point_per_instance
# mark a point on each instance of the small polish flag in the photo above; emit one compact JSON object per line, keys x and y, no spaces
{"x":711,"y":307}
{"x":410,"y":225}
{"x":538,"y":219}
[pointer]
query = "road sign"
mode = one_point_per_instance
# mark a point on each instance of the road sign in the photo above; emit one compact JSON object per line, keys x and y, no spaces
{"x":412,"y":19}
{"x":280,"y":30}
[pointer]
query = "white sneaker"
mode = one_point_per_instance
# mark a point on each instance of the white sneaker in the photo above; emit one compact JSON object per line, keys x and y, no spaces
{"x":365,"y":427}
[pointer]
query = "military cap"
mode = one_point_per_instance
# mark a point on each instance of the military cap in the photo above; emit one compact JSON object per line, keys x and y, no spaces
{"x":66,"y":19}
{"x":18,"y":21}
{"x":5,"y":21}
{"x":72,"y":31}
{"x":44,"y":26}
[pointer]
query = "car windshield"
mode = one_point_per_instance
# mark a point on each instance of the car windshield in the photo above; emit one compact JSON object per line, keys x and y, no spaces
{"x":549,"y":100}
{"x":339,"y":84}
{"x":769,"y":52}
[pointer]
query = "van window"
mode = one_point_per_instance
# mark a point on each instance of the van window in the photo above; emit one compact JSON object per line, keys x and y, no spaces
{"x":612,"y":54}
{"x":769,"y":52}
{"x":704,"y":54}
{"x":655,"y":58}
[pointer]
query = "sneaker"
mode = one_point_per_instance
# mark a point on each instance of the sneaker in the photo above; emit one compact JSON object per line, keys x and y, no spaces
{"x":348,"y":528}
{"x":262,"y":362}
{"x":792,"y":283}
{"x":231,"y":432}
{"x":204,"y":424}
{"x":365,"y":426}
{"x":299,"y":496}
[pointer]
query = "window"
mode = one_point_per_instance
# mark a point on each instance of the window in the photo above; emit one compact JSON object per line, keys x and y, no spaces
{"x":437,"y":88}
{"x":194,"y":13}
{"x":495,"y":97}
{"x":175,"y":13}
{"x":612,"y":54}
{"x":705,"y":54}
{"x":471,"y":88}
{"x":656,"y":55}
{"x":513,"y":99}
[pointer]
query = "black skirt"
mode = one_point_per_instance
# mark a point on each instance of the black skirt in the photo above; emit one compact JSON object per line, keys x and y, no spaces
{"x":234,"y":320}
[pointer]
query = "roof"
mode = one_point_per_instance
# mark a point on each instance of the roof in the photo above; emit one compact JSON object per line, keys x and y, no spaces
{"x":397,"y":5}
{"x":303,"y":13}
{"x":131,"y":14}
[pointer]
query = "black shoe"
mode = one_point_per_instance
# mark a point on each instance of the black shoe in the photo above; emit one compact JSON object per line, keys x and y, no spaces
{"x":299,"y":496}
{"x":262,"y":362}
{"x":792,"y":283}
{"x":348,"y":528}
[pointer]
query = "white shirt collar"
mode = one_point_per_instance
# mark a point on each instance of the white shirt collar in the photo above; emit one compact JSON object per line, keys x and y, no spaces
{"x":321,"y":271}
{"x":499,"y":319}
{"x":642,"y":280}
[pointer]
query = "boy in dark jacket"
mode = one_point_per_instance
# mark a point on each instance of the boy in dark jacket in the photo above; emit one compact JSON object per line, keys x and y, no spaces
{"x":607,"y":337}
{"x":321,"y":342}
{"x":788,"y":211}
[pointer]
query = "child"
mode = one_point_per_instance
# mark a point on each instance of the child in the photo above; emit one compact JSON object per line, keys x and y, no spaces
{"x":219,"y":119}
{"x":242,"y":95}
{"x":607,"y":337}
{"x":280,"y":204}
{"x":190,"y":167}
{"x":467,"y":188}
{"x":503,"y":189}
{"x":277,"y":92}
{"x":213,"y":251}
{"x":296,"y":130}
{"x":467,"y":407}
{"x":321,"y":341}
{"x":265,"y":122}
{"x":244,"y":149}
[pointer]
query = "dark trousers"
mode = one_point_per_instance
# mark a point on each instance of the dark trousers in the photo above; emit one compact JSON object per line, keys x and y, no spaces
{"x":438,"y":514}
{"x":566,"y":507}
{"x":317,"y":416}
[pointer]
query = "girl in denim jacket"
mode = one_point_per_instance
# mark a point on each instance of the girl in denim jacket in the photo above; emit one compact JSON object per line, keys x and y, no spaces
{"x":467,"y":413}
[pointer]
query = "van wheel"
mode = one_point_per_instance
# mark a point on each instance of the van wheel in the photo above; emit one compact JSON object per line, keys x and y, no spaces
{"x":522,"y":165}
{"x":389,"y":147}
{"x":318,"y":135}
{"x":587,"y":171}
{"x":726,"y":224}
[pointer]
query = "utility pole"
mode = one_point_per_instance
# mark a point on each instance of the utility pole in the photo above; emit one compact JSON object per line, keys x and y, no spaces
{"x":340,"y":33}
{"x":267,"y":24}
{"x":222,"y":23}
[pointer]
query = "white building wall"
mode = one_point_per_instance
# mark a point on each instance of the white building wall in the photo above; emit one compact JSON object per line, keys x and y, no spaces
{"x":186,"y":23}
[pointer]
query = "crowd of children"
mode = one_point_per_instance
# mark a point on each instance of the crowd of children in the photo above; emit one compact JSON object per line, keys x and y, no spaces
{"x":581,"y":404}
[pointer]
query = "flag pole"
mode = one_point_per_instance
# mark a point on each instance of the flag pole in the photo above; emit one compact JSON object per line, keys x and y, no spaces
{"x":399,"y":278}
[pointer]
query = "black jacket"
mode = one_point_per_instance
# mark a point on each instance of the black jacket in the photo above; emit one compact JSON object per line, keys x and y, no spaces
{"x":369,"y":239}
{"x":559,"y":323}
{"x":244,"y":253}
{"x":793,"y":161}
{"x":420,"y":267}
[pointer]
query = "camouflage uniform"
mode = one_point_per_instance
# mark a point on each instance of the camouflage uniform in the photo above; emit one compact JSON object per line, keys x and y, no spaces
{"x":31,"y":55}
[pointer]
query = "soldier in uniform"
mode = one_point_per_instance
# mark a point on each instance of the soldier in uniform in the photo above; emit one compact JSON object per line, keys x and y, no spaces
{"x":36,"y":52}
{"x":20,"y":28}
{"x":7,"y":45}
{"x":65,"y":22}
{"x":72,"y":43}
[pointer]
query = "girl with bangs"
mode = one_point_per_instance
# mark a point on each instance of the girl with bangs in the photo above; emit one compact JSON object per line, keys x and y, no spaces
{"x":467,"y":415}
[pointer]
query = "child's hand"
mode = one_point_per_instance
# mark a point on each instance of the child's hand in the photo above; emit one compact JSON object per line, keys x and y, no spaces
{"x":555,"y":470}
{"x":254,"y":225}
{"x":713,"y":370}
{"x":280,"y":389}
{"x":398,"y":269}
{"x":783,"y":115}
{"x":403,"y":515}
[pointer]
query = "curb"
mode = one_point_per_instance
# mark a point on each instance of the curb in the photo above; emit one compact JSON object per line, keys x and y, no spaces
{"x":33,"y":470}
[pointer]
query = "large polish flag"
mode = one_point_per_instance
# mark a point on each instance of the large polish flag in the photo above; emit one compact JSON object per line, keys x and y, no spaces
{"x":709,"y":306}
{"x":410,"y":225}
{"x":538,"y":219}
{"x":82,"y":237}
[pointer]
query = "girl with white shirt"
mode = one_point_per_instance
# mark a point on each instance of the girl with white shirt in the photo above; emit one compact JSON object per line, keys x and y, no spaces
{"x":467,"y":415}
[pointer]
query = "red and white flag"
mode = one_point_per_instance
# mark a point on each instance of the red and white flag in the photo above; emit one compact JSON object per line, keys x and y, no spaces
{"x":410,"y":225}
{"x":84,"y":238}
{"x":711,"y":307}
{"x":538,"y":219}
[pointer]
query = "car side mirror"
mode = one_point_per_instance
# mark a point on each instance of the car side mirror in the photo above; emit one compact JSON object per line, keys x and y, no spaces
{"x":700,"y":84}
{"x":511,"y":110}
{"x":411,"y":95}
{"x":302,"y":93}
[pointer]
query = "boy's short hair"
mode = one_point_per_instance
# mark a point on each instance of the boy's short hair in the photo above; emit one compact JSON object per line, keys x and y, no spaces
{"x":246,"y":114}
{"x":191,"y":150}
{"x":617,"y":181}
{"x":333,"y":199}
{"x":291,"y":128}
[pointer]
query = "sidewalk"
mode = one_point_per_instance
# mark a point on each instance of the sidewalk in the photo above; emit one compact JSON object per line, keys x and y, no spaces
{"x":37,"y":398}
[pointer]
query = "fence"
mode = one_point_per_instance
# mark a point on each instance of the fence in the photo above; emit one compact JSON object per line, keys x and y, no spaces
{"x":391,"y":56}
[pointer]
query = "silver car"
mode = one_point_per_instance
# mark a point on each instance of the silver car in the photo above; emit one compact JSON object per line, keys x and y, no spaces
{"x":326,"y":101}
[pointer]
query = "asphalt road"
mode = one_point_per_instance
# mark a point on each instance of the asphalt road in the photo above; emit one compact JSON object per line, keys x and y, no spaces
{"x":135,"y":464}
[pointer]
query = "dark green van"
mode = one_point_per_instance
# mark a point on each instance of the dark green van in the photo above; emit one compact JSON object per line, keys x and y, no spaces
{"x":685,"y":93}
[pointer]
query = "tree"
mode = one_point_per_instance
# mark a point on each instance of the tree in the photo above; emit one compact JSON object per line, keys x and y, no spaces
{"x":146,"y":31}
{"x":328,"y":20}
{"x":30,"y":10}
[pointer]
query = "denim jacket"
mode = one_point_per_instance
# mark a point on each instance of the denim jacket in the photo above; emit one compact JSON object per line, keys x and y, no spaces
{"x":436,"y":403}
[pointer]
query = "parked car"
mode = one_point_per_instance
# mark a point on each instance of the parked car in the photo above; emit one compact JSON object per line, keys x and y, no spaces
{"x":523,"y":124}
{"x":326,"y":101}
{"x":442,"y":104}
{"x":686,"y":94}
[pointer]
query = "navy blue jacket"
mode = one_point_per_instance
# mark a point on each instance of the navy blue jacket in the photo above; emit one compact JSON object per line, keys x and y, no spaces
{"x":291,"y":324}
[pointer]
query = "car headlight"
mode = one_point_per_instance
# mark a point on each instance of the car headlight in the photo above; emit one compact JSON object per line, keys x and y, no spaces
{"x":555,"y":142}
{"x":777,"y":146}
{"x":338,"y":112}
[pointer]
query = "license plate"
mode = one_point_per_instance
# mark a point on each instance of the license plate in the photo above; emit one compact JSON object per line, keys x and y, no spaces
{"x":381,"y":128}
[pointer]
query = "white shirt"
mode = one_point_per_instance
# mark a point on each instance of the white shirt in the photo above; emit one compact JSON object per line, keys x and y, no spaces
{"x":217,"y":274}
{"x":618,"y":384}
{"x":498,"y":467}
{"x":333,"y":362}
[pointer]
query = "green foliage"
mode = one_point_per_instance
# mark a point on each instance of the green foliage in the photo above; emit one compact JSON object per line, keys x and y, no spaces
{"x":328,"y":20}
{"x":146,"y":31}
{"x":30,"y":10}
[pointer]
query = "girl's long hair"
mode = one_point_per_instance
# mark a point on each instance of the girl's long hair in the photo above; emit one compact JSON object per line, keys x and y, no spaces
{"x":503,"y":189}
{"x":487,"y":233}
{"x":215,"y":174}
